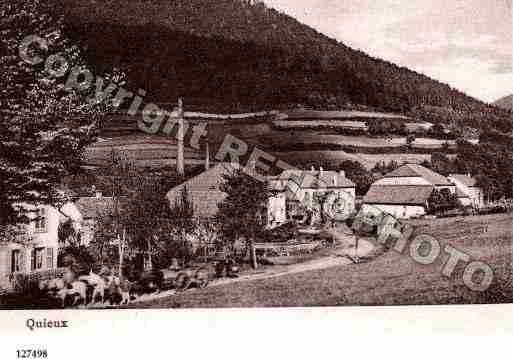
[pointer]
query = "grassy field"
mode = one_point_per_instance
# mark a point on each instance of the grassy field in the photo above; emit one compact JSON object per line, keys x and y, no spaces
{"x":302,"y":158}
{"x":345,"y":114}
{"x":145,"y":151}
{"x":304,"y":146}
{"x":360,"y":141}
{"x":391,"y":279}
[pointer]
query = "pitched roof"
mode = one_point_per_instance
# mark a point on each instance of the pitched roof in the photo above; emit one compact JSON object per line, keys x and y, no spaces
{"x":317,"y":179}
{"x":415,"y":170}
{"x":90,"y":207}
{"x":204,"y":190}
{"x":466,"y":180}
{"x":399,"y":195}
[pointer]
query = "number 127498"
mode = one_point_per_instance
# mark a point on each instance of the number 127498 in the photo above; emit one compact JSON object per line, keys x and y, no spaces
{"x":31,"y":353}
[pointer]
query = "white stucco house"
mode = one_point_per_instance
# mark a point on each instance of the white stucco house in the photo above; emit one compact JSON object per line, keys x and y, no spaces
{"x":294,"y":190}
{"x":404,"y":193}
{"x":471,"y":194}
{"x":36,"y":244}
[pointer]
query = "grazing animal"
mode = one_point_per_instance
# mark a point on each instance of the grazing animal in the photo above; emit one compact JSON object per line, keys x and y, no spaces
{"x":51,"y":286}
{"x":62,"y":294}
{"x":97,"y":283}
{"x":118,"y":290}
{"x":78,"y":290}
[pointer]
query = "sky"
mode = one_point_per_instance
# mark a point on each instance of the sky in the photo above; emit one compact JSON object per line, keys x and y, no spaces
{"x":467,"y":44}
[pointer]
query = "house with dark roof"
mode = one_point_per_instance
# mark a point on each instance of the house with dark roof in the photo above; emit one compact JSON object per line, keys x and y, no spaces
{"x":404,"y":193}
{"x":204,"y":190}
{"x":295,"y":190}
{"x":469,"y":193}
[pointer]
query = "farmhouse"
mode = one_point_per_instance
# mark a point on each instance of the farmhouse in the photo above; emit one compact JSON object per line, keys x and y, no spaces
{"x":33,"y":247}
{"x":404,"y":193}
{"x":204,"y":190}
{"x":471,"y":194}
{"x":295,"y":190}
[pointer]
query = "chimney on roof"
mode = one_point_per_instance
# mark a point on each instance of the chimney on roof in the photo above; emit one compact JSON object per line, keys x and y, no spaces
{"x":312,"y":169}
{"x":342,"y":173}
{"x":321,"y":170}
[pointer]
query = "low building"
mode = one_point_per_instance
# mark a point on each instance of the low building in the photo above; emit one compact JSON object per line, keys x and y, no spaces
{"x":471,"y":194}
{"x":295,"y":190}
{"x":33,"y":247}
{"x":404,"y":192}
{"x":400,"y":201}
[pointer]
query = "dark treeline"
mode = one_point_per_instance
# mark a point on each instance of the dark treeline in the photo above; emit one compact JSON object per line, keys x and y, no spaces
{"x":490,"y":162}
{"x":241,"y":55}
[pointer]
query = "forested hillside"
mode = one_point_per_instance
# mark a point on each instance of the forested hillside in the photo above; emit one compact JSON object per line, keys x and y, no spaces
{"x":505,"y":102}
{"x":235,"y":55}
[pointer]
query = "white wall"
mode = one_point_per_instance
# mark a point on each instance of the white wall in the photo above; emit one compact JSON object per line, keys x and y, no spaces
{"x":40,"y":239}
{"x":276,"y":210}
{"x":476,"y":194}
{"x":402,"y":181}
{"x":49,"y":237}
{"x":466,"y":202}
{"x":398,"y":211}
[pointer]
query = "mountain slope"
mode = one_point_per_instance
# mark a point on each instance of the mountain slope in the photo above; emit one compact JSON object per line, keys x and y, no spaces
{"x":239,"y":54}
{"x":505,"y":102}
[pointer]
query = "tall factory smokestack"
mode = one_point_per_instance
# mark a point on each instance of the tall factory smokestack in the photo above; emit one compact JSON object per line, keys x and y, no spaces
{"x":180,"y":136}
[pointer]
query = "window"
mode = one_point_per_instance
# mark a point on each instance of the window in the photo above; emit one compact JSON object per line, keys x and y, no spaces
{"x":15,"y":261}
{"x":37,"y":258}
{"x":49,"y":258}
{"x":41,"y":220}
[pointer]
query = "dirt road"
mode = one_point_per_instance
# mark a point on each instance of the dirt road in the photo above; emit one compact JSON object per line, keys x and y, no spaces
{"x":338,"y":257}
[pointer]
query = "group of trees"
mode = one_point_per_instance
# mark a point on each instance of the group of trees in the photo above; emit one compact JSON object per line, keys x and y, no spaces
{"x":441,"y":201}
{"x":141,"y":224}
{"x":395,"y":127}
{"x":243,"y":213}
{"x":490,"y":162}
{"x":44,"y":127}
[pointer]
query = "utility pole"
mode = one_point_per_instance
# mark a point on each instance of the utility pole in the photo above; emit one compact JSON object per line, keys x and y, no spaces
{"x":180,"y":136}
{"x":207,"y":156}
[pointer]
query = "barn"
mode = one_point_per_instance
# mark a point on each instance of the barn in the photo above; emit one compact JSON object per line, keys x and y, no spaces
{"x":404,"y":193}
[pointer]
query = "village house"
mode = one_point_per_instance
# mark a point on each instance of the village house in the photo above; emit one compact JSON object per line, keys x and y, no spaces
{"x":469,"y":193}
{"x":35,"y":245}
{"x":404,"y":193}
{"x":204,"y":190}
{"x":295,"y":190}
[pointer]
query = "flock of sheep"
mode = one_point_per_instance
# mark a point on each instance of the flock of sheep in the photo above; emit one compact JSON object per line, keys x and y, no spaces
{"x":87,"y":289}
